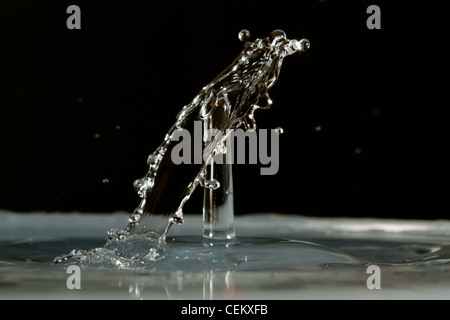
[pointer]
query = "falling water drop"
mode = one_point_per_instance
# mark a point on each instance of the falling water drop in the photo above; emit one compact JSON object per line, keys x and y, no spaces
{"x":152,"y":159}
{"x":212,"y":184}
{"x":278,"y":130}
{"x":244,"y":35}
{"x":303,"y":45}
{"x":138,"y":183}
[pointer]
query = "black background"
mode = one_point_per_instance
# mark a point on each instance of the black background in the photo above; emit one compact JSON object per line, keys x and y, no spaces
{"x":81,"y":106}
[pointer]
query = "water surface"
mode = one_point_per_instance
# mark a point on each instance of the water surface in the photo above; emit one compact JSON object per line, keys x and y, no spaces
{"x":279,"y":257}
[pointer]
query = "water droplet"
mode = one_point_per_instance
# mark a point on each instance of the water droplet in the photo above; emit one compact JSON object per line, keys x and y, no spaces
{"x":250,"y":122}
{"x":152,"y":159}
{"x":152,"y":255}
{"x":105,"y":181}
{"x":134,"y":218}
{"x":304,"y":45}
{"x":221,"y":148}
{"x":97,"y":136}
{"x":358,"y":151}
{"x":318,"y":128}
{"x":264,"y":102}
{"x":118,"y":127}
{"x":244,"y":35}
{"x":212,"y":184}
{"x":178,"y":219}
{"x":278,"y":130}
{"x":296,"y":46}
{"x":138,"y":183}
{"x":277,"y":34}
{"x":143,"y":185}
{"x":80,"y":100}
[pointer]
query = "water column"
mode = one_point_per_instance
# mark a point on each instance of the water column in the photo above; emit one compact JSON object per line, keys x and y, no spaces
{"x":218,"y":206}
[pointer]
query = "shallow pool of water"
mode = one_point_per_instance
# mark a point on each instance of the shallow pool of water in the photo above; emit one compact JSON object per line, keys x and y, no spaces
{"x":275,"y":257}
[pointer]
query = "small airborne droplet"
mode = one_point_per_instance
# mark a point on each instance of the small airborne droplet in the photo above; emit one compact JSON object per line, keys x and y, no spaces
{"x":244,"y":35}
{"x":152,"y":159}
{"x":304,"y":45}
{"x":318,"y":128}
{"x":97,"y":135}
{"x":105,"y":181}
{"x":358,"y":151}
{"x":278,"y":130}
{"x":211,"y":184}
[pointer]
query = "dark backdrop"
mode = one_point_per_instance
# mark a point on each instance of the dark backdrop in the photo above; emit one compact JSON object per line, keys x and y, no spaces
{"x":82,"y":106}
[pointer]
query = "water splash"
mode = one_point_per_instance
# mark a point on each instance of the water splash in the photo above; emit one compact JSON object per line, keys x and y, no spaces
{"x":226,"y":103}
{"x":120,"y":251}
